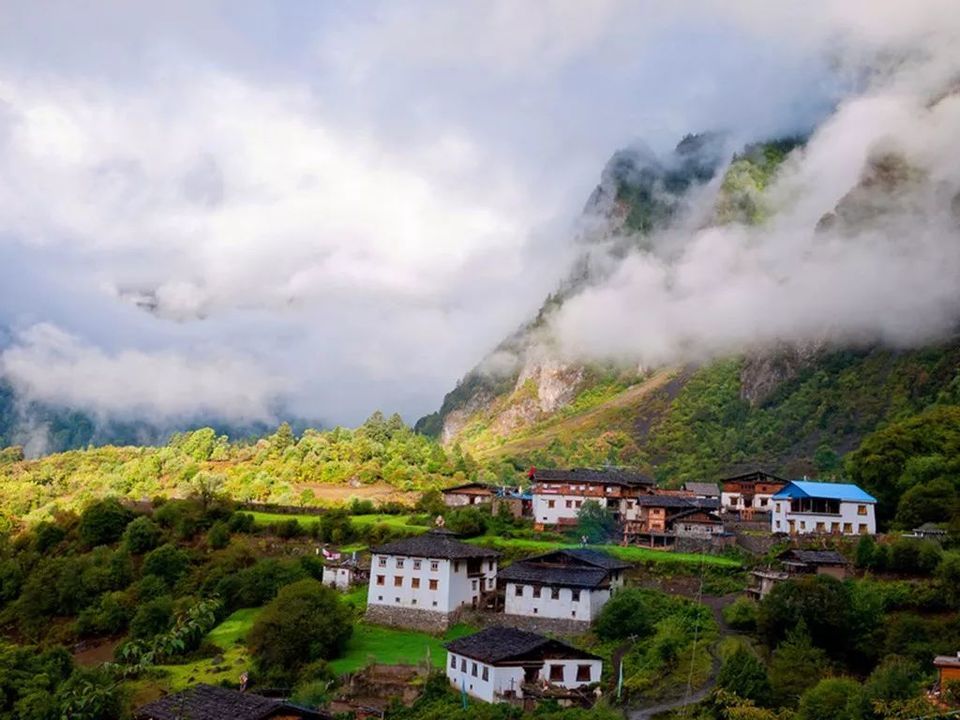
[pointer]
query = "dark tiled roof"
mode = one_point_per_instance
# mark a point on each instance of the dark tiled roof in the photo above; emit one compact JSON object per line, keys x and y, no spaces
{"x":815,"y":557}
{"x":469,"y":486}
{"x":434,"y":544}
{"x":584,"y":556}
{"x":693,"y":511}
{"x":754,"y":476}
{"x":667,"y":501}
{"x":559,"y":575}
{"x":947,"y":661}
{"x":703,"y":488}
{"x":497,"y":644}
{"x":208,"y":702}
{"x":603,"y":476}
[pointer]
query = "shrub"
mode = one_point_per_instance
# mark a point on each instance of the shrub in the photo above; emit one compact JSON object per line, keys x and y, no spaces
{"x":141,"y":535}
{"x":167,"y":562}
{"x":218,"y":536}
{"x":741,"y":614}
{"x":103,"y":522}
{"x":306,"y":622}
{"x":831,"y":699}
{"x":626,"y":614}
{"x":47,"y":535}
{"x":744,"y":675}
{"x":152,"y":618}
{"x":241,"y":523}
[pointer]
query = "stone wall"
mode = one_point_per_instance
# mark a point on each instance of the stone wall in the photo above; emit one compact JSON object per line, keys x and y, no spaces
{"x":548,"y":626}
{"x":413,"y":618}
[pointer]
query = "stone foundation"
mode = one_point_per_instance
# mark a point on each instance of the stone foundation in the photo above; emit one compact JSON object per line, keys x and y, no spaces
{"x":413,"y":618}
{"x":549,"y":626}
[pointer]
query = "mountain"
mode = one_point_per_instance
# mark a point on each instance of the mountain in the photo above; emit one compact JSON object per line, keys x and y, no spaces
{"x":794,"y":407}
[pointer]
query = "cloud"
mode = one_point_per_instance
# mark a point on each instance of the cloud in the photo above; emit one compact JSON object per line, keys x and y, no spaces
{"x":356,"y":203}
{"x":49,"y":365}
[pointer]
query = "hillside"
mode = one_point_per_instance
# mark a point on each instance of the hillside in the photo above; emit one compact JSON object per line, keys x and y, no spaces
{"x":791,"y":407}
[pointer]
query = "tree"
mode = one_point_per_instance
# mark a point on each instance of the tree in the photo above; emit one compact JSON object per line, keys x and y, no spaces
{"x":822,"y":602}
{"x":831,"y":699}
{"x":935,"y":501}
{"x":626,"y":614}
{"x":141,"y":535}
{"x":167,"y":562}
{"x":205,"y":487}
{"x":218,"y":536}
{"x":307,"y":621}
{"x":866,"y":548}
{"x":949,"y":576}
{"x":744,"y":675}
{"x":47,"y":535}
{"x":103,"y":522}
{"x":796,"y":665}
{"x":594,"y":522}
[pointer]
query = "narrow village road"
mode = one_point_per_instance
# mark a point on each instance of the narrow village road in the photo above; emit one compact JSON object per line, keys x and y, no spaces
{"x":647,"y":712}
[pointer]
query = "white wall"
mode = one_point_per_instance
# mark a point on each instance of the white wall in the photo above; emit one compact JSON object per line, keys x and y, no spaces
{"x":454,"y":588}
{"x":543,"y":513}
{"x":735,"y":501}
{"x":460,"y":672}
{"x":586,"y":609}
{"x":849,"y":521}
{"x":337,"y":577}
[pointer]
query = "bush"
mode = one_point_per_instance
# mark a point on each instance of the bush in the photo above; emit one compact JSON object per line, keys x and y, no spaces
{"x":831,"y":699}
{"x":152,"y":618}
{"x":626,"y":614}
{"x":744,"y":675}
{"x":103,"y":522}
{"x":141,"y":535}
{"x":241,"y":523}
{"x":741,"y":614}
{"x":47,"y":535}
{"x":306,"y":622}
{"x":167,"y":562}
{"x":914,"y":557}
{"x":218,"y":536}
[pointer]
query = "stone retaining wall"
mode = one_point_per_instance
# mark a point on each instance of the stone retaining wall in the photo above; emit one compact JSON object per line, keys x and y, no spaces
{"x":415,"y":619}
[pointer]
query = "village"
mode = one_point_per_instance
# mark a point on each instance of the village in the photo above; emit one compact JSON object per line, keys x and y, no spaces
{"x":527,"y":608}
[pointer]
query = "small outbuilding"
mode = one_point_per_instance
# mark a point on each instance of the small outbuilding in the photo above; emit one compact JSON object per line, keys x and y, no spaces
{"x":504,"y":664}
{"x":473,"y":493}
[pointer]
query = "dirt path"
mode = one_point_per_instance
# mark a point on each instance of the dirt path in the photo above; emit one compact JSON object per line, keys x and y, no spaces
{"x":647,"y":712}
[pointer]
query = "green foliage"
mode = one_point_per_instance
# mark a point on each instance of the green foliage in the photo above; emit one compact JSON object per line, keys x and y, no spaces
{"x":103,"y":522}
{"x":934,"y":501}
{"x":306,"y":622}
{"x":167,"y":562}
{"x":743,"y":674}
{"x":629,"y":613}
{"x":594,"y":522}
{"x":218,"y":536}
{"x":796,"y":665}
{"x":910,"y":556}
{"x":141,"y":535}
{"x":741,"y":614}
{"x":831,"y":699}
{"x":152,"y":618}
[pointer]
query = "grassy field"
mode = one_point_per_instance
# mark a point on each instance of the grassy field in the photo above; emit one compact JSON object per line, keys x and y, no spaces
{"x":628,"y":554}
{"x":372,"y":643}
{"x":306,"y":519}
{"x":228,"y":635}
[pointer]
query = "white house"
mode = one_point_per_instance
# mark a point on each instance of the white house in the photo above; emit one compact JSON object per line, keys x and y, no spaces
{"x":558,"y":495}
{"x":750,"y":492}
{"x":805,"y":508}
{"x":423,"y":581}
{"x":468,"y":494}
{"x":563,"y":585}
{"x":502,"y":663}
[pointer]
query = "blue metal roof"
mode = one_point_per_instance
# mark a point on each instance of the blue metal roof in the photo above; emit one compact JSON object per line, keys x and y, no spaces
{"x":831,"y":491}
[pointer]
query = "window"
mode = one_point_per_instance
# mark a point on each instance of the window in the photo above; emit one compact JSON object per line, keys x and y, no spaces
{"x":399,"y":563}
{"x":415,"y":583}
{"x":575,"y":595}
{"x":456,"y":566}
{"x":763,"y":502}
{"x":434,"y":603}
{"x":473,"y":669}
{"x":382,"y":562}
{"x":433,"y":585}
{"x":778,"y":524}
{"x":398,"y":581}
{"x":556,"y":673}
{"x":416,"y":564}
{"x":861,"y":509}
{"x":490,"y":565}
{"x":847,"y":528}
{"x":821,"y":527}
{"x":518,"y":591}
{"x":379,"y":579}
{"x":862,"y":529}
{"x":551,"y":503}
{"x":583,"y":673}
{"x":579,"y":503}
{"x":573,"y":613}
{"x":536,"y":591}
{"x":380,"y":598}
{"x":555,"y":593}
{"x":778,"y":507}
{"x":453,"y":661}
{"x":486,"y":673}
{"x":396,"y":600}
{"x":569,"y":503}
{"x":463,"y":665}
{"x":413,"y":602}
{"x":535,"y":611}
{"x":835,"y":527}
{"x":434,"y":565}
{"x":473,"y":585}
{"x":803,"y":524}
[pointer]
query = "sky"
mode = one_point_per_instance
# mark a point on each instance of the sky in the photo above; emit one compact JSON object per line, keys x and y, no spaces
{"x":257,"y":210}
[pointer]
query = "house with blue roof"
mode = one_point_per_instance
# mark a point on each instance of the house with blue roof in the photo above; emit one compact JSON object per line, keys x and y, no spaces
{"x":804,"y":507}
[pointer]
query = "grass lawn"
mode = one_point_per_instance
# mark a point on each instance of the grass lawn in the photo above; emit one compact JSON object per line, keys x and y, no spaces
{"x":305,"y":520}
{"x":372,"y":643}
{"x":229,"y":636}
{"x":629,"y":554}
